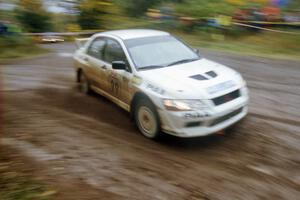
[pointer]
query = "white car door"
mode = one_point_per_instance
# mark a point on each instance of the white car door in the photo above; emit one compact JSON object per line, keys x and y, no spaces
{"x":118,"y":80}
{"x":96,"y":71}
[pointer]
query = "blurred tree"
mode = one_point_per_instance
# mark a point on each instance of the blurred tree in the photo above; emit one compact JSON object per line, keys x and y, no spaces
{"x":91,"y":12}
{"x":31,"y":4}
{"x":205,"y":8}
{"x":136,"y":8}
{"x":293,"y":5}
{"x":32,"y":16}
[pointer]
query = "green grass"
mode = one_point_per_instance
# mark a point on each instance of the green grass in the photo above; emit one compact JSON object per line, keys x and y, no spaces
{"x":18,"y":47}
{"x":21,"y":51}
{"x":17,"y":182}
{"x":263,"y":44}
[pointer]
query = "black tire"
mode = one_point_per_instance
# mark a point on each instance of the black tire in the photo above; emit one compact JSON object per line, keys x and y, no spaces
{"x":147,"y":119}
{"x":84,"y":84}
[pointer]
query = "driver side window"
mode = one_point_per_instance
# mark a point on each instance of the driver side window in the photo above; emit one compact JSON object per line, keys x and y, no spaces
{"x":96,"y":49}
{"x":114,"y":52}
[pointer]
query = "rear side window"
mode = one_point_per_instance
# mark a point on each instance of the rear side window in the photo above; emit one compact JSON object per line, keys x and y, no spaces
{"x":114,"y":52}
{"x":96,"y":48}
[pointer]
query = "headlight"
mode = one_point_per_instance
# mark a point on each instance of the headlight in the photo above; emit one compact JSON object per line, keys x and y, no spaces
{"x":184,"y":105}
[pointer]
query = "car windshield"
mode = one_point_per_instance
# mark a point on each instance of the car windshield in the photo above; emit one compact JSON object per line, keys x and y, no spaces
{"x":159,"y":51}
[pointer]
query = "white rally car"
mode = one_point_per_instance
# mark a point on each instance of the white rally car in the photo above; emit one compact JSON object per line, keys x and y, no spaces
{"x":165,"y":85}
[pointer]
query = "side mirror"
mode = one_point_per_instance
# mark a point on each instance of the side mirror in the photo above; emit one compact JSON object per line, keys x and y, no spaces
{"x":119,"y":65}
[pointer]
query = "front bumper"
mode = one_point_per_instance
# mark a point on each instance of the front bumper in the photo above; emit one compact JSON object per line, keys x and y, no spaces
{"x":197,"y":123}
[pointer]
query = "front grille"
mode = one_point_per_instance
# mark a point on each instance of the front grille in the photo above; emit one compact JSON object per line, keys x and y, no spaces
{"x":227,"y":97}
{"x":226,"y":117}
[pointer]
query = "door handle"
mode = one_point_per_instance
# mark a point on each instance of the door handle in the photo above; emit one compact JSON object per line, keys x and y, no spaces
{"x":103,"y":67}
{"x":86,"y":59}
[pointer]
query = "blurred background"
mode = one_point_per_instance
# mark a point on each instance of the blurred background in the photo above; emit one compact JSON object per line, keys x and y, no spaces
{"x":60,"y":144}
{"x":231,"y":25}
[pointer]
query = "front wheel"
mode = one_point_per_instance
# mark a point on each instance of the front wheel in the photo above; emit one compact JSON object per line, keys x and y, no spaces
{"x":147,"y":119}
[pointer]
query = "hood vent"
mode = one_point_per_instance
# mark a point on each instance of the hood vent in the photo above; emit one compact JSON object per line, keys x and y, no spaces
{"x":206,"y":76}
{"x":199,"y":77}
{"x":211,"y":74}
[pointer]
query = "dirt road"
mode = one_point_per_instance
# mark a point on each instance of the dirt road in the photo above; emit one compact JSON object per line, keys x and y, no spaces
{"x":90,"y":146}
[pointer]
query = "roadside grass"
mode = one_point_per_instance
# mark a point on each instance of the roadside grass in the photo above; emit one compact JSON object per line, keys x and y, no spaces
{"x":16,"y":180}
{"x":18,"y":47}
{"x":21,"y":51}
{"x":264,"y":44}
{"x":114,"y":22}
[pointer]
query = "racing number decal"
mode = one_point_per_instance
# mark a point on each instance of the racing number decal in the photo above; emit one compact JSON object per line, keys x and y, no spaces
{"x":114,"y":84}
{"x":115,"y":87}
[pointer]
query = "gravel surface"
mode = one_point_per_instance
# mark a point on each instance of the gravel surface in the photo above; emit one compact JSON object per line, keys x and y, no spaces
{"x":92,"y":142}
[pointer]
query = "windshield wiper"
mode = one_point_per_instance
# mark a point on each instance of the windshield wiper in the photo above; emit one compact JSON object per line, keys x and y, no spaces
{"x":152,"y":67}
{"x":183,"y":61}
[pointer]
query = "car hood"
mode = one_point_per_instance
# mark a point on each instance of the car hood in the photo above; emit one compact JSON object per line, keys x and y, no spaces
{"x":199,"y":79}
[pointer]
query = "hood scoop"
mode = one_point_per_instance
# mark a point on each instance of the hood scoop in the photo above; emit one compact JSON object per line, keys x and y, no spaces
{"x":212,"y":74}
{"x":199,"y":77}
{"x":206,"y":76}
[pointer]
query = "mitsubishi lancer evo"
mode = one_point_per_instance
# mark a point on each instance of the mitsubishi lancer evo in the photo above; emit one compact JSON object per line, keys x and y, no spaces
{"x":165,"y":85}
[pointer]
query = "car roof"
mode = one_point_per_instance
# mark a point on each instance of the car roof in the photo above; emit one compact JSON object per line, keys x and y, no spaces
{"x":134,"y":33}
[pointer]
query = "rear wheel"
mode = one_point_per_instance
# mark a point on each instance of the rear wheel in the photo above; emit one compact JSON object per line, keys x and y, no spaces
{"x":146,"y":119}
{"x":84,"y":85}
